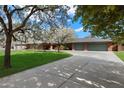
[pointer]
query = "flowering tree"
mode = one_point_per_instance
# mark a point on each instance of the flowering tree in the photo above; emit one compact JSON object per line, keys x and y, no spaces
{"x":16,"y":19}
{"x":62,"y":36}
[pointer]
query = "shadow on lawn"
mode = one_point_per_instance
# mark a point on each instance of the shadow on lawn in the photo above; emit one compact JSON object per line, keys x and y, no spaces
{"x":91,"y":74}
{"x":24,"y":61}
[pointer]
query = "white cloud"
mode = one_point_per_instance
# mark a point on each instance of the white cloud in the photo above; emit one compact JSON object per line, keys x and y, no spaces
{"x":79,"y":29}
{"x":72,"y":10}
{"x":69,"y":20}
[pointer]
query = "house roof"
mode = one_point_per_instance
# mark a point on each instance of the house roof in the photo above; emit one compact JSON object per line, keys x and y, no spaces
{"x":90,"y":39}
{"x":75,"y":40}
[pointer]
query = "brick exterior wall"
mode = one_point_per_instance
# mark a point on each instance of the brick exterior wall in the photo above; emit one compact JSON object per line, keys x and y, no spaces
{"x":120,"y":47}
{"x":85,"y":46}
{"x":115,"y":47}
{"x":71,"y":46}
{"x":112,"y":47}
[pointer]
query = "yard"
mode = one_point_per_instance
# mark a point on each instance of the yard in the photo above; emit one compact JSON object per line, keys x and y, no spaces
{"x":22,"y":60}
{"x":120,"y":55}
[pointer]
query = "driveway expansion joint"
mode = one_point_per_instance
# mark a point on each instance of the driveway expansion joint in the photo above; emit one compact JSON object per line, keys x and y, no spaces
{"x":73,"y":75}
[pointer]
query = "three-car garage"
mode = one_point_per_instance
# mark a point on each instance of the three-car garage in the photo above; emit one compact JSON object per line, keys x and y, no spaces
{"x":91,"y":44}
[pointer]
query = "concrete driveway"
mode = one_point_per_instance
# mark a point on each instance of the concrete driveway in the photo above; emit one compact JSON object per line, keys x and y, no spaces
{"x":103,"y":55}
{"x":83,"y":69}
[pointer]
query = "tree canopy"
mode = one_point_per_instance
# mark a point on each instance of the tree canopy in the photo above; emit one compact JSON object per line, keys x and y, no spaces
{"x":16,"y":19}
{"x":106,"y":21}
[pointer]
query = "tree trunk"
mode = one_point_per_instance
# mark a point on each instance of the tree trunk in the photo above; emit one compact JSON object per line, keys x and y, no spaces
{"x":7,"y":57}
{"x":44,"y":47}
{"x":58,"y":47}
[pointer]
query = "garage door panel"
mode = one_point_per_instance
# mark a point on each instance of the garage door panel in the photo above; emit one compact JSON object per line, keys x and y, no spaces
{"x":78,"y":46}
{"x":97,"y":47}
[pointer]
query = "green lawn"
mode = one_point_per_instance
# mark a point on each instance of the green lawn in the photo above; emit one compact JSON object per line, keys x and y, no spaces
{"x":120,"y":55}
{"x":22,"y":60}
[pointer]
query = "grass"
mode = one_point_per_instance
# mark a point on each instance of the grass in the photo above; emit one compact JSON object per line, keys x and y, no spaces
{"x":120,"y":54}
{"x":22,"y":60}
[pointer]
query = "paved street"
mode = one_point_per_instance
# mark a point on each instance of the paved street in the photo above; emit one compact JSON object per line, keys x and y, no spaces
{"x":83,"y":69}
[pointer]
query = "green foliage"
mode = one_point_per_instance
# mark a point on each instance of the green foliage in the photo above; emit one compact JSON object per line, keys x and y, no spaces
{"x":22,"y":60}
{"x":105,"y":21}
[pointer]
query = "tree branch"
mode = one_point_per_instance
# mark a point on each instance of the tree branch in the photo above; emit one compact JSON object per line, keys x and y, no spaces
{"x":14,"y":38}
{"x":9,"y":17}
{"x":33,"y":10}
{"x":1,"y":31}
{"x":3,"y":24}
{"x":19,"y":9}
{"x":25,"y":20}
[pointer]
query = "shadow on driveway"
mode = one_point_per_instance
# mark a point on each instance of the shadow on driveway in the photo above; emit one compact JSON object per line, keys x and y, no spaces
{"x":76,"y":71}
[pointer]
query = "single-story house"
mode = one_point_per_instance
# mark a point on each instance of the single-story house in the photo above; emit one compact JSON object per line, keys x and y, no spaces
{"x":93,"y":44}
{"x":83,"y":44}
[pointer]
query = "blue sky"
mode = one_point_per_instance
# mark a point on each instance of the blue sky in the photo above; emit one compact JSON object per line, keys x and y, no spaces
{"x":78,"y":29}
{"x":77,"y":26}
